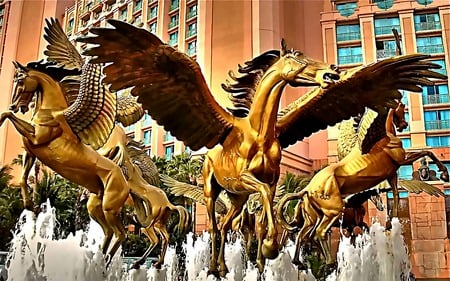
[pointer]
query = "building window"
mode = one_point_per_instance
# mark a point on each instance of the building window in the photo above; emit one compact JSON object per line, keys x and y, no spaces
{"x":174,"y":20}
{"x":147,"y":121}
{"x":348,"y":32}
{"x":192,"y":48}
{"x":430,"y":45}
{"x":346,"y":9}
{"x":169,"y":149}
{"x":437,"y":119}
{"x":191,"y":12}
{"x":153,"y":12}
{"x":385,"y":25}
{"x":192,"y":30}
{"x":435,"y":94}
{"x":349,"y":55}
{"x":123,"y":14}
{"x":168,"y":137}
{"x":173,"y":38}
{"x":148,"y":151}
{"x":386,"y":49}
{"x":174,"y":4}
{"x":406,"y":142}
{"x":438,"y":141}
{"x":427,"y":22}
{"x":441,"y":70}
{"x":70,"y":25}
{"x":137,"y":5}
{"x":130,"y":128}
{"x":147,"y":137}
{"x":152,"y":27}
{"x":404,"y":99}
{"x":405,"y":172}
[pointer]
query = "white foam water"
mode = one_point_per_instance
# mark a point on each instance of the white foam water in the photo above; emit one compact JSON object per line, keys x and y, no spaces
{"x":37,"y":256}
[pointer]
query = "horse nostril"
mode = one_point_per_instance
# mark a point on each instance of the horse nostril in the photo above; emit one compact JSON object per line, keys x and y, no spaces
{"x":12,"y":107}
{"x":334,"y":67}
{"x":330,"y":77}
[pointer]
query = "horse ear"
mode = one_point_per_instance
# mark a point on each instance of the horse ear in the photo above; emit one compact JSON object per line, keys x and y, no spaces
{"x":18,"y":65}
{"x":283,"y":47}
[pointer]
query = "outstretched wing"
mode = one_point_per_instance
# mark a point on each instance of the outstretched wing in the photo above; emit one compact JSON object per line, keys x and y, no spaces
{"x":375,"y":86}
{"x":143,"y":161}
{"x":168,"y":83}
{"x":414,"y":186}
{"x":59,"y":48}
{"x":347,"y":138}
{"x":192,"y":192}
{"x":129,"y":111}
{"x":93,"y":113}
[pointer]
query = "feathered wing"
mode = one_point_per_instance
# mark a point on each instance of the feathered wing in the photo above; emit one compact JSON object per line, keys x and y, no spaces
{"x":375,"y":86}
{"x":167,"y":82}
{"x":413,"y":186}
{"x":129,"y":111}
{"x":192,"y":192}
{"x":93,"y":113}
{"x":59,"y":48}
{"x":347,"y":138}
{"x":145,"y":163}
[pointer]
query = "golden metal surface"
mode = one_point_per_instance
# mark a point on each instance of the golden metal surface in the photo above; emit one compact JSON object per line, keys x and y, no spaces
{"x":377,"y":158}
{"x":246,"y":142}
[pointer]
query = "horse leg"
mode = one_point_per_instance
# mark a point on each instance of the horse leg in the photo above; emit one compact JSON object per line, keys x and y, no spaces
{"x":211,"y":191}
{"x":413,"y":156}
{"x":260,"y":231}
{"x":309,"y":219}
{"x":237,"y":202}
{"x":114,"y":197}
{"x":27,"y":161}
{"x":270,"y":244}
{"x":162,"y":230}
{"x":393,"y":182}
{"x":94,"y":207}
{"x":329,"y":217}
{"x":149,"y":231}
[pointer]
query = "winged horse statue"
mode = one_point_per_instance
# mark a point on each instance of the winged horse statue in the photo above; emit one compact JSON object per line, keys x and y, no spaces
{"x":245,"y":148}
{"x":73,"y":115}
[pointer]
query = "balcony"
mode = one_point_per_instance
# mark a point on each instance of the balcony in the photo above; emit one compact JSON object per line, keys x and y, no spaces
{"x":386,"y":30}
{"x":348,"y":36}
{"x":424,"y":26}
{"x":175,"y":5}
{"x":437,"y":125}
{"x":191,"y":51}
{"x":190,"y":33}
{"x":435,"y":99}
{"x":173,"y":24}
{"x":350,"y":59}
{"x":431,"y":49}
{"x":384,"y":54}
{"x":191,"y":15}
{"x":153,"y":14}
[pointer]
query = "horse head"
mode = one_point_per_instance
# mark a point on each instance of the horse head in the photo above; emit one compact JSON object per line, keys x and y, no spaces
{"x":24,"y":89}
{"x":299,"y":70}
{"x":399,"y":117}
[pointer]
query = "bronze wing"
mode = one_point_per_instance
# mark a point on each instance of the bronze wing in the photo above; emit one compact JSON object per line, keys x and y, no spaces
{"x":145,"y":163}
{"x":129,"y":111}
{"x":168,"y":83}
{"x":375,"y":86}
{"x":414,"y":186}
{"x":192,"y":192}
{"x":59,"y":48}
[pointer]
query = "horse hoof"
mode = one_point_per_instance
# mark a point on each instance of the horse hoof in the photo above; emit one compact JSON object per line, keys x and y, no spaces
{"x":214,"y":272}
{"x":135,"y":266}
{"x":329,"y":268}
{"x":157,"y":265}
{"x":444,"y":176}
{"x":270,"y":249}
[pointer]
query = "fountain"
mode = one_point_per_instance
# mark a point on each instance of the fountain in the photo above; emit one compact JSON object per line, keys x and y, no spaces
{"x":36,"y":255}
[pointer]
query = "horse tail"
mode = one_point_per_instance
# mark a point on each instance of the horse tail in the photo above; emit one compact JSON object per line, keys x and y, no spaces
{"x":184,"y":220}
{"x":294,"y":224}
{"x":142,"y":206}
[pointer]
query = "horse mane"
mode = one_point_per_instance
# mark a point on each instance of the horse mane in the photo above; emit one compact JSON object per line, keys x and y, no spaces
{"x":242,"y":88}
{"x":55,"y":72}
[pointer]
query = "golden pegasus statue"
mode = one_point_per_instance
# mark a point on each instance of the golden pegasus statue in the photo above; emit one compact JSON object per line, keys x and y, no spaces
{"x":74,"y":114}
{"x":245,"y":148}
{"x":369,"y":163}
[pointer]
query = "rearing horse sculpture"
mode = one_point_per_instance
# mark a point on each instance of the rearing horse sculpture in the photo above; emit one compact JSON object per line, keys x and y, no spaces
{"x":246,"y":144}
{"x":321,"y":202}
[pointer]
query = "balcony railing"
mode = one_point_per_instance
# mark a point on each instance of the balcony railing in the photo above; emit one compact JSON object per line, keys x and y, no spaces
{"x":437,"y":125}
{"x":430,"y":49}
{"x":436,"y":99}
{"x":191,"y":51}
{"x":191,"y":32}
{"x":173,"y":24}
{"x":174,"y":6}
{"x":350,"y":59}
{"x":348,"y":36}
{"x":380,"y":30}
{"x":383,"y":54}
{"x":432,"y":25}
{"x":153,"y":14}
{"x":173,"y":42}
